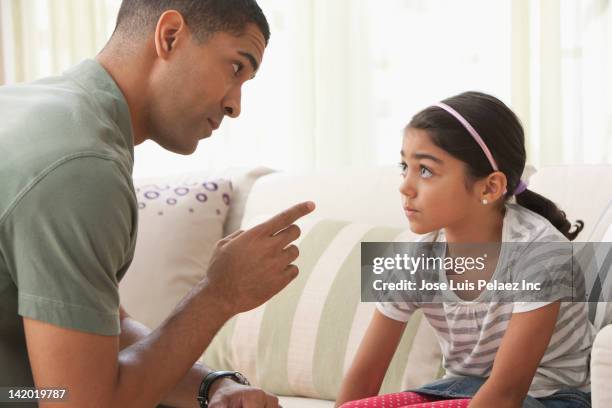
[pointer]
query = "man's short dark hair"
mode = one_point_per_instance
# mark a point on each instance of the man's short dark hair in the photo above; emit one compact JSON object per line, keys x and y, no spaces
{"x":204,"y":17}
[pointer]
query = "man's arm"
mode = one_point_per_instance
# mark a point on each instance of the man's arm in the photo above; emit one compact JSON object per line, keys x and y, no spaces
{"x":184,"y":394}
{"x":246,"y":270}
{"x":97,"y":373}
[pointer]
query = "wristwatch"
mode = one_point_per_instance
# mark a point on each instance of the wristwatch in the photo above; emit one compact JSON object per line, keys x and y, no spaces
{"x":208,"y":381}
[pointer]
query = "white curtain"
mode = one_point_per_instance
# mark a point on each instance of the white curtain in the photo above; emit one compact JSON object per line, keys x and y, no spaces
{"x":2,"y":79}
{"x":562,"y":74}
{"x":341,"y":78}
{"x":429,"y":50}
{"x":44,"y":37}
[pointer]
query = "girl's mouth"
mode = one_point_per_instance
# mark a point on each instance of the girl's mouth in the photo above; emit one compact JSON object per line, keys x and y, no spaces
{"x":410,"y":212}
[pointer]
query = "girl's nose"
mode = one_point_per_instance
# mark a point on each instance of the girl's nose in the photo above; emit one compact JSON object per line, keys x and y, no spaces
{"x":406,"y":187}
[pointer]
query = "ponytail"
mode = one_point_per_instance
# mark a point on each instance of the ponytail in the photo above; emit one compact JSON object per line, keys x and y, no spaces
{"x":549,"y":210}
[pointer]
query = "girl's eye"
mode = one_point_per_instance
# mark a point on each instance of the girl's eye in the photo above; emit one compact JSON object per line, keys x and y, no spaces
{"x":403,"y":166}
{"x":425,"y":172}
{"x":237,"y":67}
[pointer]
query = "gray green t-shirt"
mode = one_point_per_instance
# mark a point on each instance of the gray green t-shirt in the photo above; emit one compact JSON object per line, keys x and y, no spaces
{"x":68,"y":211}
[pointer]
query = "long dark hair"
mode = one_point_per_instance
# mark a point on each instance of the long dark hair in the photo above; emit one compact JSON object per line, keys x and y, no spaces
{"x":503,"y":134}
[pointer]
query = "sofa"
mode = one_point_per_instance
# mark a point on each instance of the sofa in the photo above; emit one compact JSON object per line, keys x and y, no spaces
{"x":300,"y":343}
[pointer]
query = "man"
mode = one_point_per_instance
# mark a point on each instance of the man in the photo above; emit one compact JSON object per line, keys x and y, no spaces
{"x":170,"y":73}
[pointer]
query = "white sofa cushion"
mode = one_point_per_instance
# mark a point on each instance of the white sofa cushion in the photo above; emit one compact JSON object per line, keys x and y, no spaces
{"x":368,"y":195}
{"x":303,"y":340}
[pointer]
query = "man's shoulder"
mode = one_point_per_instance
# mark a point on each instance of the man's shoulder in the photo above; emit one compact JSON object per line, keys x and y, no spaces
{"x":46,"y":124}
{"x":47,"y":119}
{"x":46,"y":105}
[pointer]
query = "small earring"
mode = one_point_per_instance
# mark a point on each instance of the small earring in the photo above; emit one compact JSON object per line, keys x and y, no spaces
{"x":485,"y":201}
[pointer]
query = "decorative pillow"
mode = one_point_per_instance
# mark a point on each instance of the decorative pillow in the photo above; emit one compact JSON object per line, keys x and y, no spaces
{"x":180,"y":220}
{"x":302,"y":342}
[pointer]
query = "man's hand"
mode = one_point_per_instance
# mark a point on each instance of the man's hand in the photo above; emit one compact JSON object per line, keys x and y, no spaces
{"x":230,"y":394}
{"x":249,"y":267}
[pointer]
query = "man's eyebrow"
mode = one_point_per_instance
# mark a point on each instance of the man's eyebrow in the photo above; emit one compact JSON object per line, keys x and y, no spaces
{"x":419,"y":156}
{"x":251,"y":59}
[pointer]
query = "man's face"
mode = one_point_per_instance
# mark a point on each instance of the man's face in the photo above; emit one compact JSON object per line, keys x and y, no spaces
{"x":198,"y":84}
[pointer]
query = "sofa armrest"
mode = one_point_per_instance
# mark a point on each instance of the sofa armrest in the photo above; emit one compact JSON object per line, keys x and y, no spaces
{"x":601,"y":369}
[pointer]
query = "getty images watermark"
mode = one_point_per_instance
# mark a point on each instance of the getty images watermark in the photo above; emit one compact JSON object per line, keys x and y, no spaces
{"x":496,"y":272}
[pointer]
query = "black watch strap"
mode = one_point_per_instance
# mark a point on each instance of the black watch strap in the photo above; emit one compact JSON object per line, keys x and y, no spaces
{"x":208,"y":381}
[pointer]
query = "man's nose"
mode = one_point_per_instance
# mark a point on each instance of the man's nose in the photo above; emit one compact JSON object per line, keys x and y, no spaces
{"x":231,"y":104}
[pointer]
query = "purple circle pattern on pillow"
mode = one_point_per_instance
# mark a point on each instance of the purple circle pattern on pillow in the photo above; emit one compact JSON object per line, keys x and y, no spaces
{"x":210,"y":186}
{"x":181,"y":191}
{"x":169,"y":196}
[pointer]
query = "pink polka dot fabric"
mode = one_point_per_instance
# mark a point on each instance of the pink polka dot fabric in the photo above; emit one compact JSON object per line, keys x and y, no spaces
{"x":407,"y":400}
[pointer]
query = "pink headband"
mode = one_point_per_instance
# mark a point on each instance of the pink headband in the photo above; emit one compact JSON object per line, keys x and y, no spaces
{"x":522,"y":185}
{"x":472,"y":132}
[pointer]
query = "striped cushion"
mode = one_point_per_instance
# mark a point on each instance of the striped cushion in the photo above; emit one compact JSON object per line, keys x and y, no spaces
{"x":303,"y":340}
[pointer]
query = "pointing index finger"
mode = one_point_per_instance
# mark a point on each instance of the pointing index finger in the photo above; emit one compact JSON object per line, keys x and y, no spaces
{"x":286,"y":218}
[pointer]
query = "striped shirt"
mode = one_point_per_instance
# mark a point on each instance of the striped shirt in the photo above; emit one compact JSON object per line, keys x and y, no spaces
{"x":470,"y":332}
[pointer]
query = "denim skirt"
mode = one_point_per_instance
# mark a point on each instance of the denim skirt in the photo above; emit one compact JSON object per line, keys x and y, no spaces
{"x":466,"y":387}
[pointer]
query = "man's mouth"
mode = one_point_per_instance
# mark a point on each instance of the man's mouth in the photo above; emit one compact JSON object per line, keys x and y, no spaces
{"x":213,"y":124}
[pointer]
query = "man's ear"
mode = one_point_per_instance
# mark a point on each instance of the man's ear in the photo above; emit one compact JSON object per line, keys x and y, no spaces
{"x":171,"y":29}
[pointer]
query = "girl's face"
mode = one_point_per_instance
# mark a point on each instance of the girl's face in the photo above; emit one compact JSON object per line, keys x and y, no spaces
{"x":434,"y":192}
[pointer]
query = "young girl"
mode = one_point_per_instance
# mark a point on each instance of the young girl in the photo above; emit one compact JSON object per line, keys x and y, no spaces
{"x":462,"y":162}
